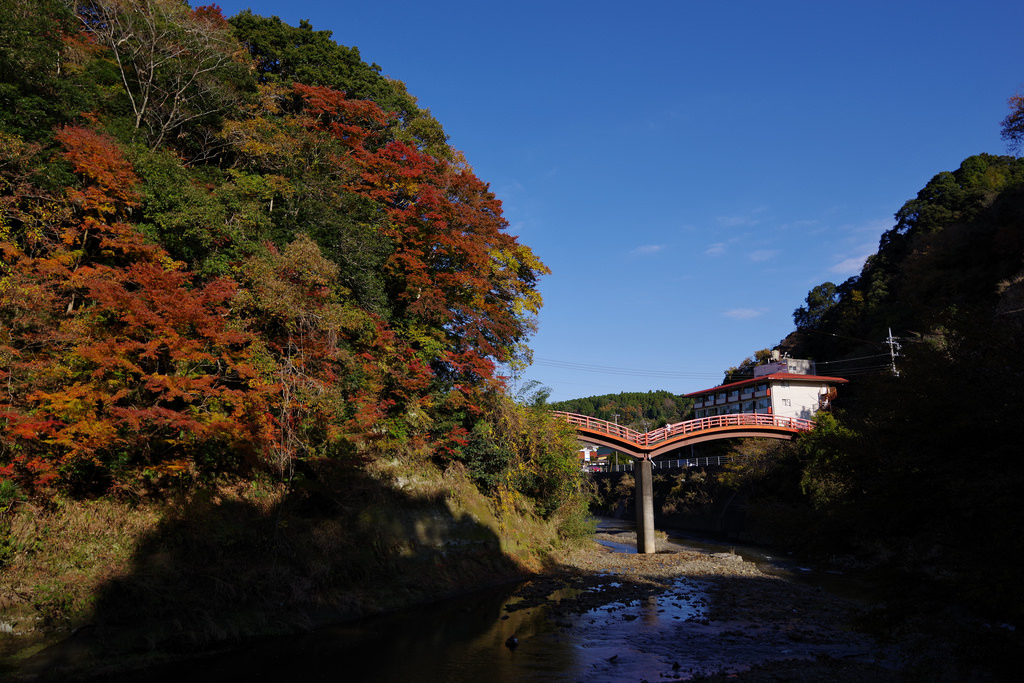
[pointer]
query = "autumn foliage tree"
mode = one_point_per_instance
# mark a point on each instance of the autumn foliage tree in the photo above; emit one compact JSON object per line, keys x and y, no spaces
{"x":253,"y":252}
{"x":129,"y":367}
{"x":460,"y":289}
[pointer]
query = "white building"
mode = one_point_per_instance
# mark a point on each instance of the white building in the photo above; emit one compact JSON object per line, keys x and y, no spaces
{"x":787,"y":387}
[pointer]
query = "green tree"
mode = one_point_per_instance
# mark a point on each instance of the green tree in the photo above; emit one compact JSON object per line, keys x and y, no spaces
{"x":829,"y":470}
{"x":287,"y":54}
{"x":745,"y":370}
{"x":820,"y":301}
{"x":40,"y":67}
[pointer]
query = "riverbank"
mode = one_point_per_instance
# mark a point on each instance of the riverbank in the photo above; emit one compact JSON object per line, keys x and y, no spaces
{"x":682,"y":613}
{"x":114,"y":583}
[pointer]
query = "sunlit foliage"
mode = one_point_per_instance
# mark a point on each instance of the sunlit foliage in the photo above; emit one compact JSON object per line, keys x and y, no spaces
{"x":234,"y":247}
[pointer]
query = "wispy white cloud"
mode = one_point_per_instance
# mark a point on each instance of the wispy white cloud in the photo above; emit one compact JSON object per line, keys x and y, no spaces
{"x":720,"y":248}
{"x":851,"y":265}
{"x":862,"y":242}
{"x":517,"y":228}
{"x":747,"y":220}
{"x":875,"y":227}
{"x":736,"y":221}
{"x":510,"y":188}
{"x":763,"y":254}
{"x":801,"y":224}
{"x":647,"y":249}
{"x":743,"y":313}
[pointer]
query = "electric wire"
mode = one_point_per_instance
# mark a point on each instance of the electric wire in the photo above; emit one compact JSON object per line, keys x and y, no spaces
{"x":850,"y":360}
{"x":611,"y":370}
{"x":839,"y":370}
{"x":843,"y":336}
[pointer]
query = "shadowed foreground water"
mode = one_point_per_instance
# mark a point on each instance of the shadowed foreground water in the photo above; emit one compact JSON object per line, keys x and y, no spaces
{"x":465,"y":639}
{"x":538,"y":631}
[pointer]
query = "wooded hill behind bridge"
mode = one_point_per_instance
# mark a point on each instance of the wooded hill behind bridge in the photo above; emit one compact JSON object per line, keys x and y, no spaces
{"x":637,"y":410}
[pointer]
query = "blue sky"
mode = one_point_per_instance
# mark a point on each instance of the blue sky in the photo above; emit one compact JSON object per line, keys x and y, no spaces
{"x":690,"y":170}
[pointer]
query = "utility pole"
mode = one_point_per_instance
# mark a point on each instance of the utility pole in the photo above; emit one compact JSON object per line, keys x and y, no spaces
{"x":894,"y":347}
{"x":616,"y":418}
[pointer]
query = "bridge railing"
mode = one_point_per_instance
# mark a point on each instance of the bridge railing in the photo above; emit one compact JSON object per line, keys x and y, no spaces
{"x":687,"y":427}
{"x":664,"y":464}
{"x":603,"y":426}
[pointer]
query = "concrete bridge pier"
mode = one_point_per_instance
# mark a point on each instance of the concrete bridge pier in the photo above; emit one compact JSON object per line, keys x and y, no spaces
{"x":644,"y":503}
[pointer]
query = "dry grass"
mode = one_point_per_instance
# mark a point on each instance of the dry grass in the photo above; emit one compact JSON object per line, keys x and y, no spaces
{"x":60,"y":557}
{"x":244,"y":559}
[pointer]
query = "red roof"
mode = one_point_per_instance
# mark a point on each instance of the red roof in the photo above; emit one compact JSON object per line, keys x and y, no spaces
{"x":780,"y":376}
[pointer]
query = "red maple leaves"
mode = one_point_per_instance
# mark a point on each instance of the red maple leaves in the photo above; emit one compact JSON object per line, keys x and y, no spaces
{"x":125,"y":367}
{"x":127,"y":363}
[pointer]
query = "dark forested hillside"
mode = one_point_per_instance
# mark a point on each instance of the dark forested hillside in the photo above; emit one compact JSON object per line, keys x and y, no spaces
{"x":954,"y":250}
{"x":920,"y":468}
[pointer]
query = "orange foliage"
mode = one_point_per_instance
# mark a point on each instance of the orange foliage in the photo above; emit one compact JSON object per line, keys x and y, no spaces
{"x":127,"y":362}
{"x":126,"y":366}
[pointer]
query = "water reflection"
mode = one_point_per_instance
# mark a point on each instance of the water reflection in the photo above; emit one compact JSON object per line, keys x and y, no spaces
{"x":461,"y":640}
{"x":662,"y":636}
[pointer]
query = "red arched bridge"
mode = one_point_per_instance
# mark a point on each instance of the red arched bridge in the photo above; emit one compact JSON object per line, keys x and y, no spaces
{"x":649,"y":445}
{"x":645,"y":446}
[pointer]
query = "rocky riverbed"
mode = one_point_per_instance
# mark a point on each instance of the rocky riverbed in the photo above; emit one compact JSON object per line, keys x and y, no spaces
{"x":746,"y":624}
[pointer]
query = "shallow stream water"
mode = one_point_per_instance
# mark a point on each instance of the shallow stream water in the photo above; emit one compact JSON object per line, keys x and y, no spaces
{"x":486,"y":636}
{"x":464,"y":639}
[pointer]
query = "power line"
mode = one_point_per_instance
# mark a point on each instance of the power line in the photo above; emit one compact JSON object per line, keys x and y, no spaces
{"x":671,"y":374}
{"x":842,"y":336}
{"x":611,"y":370}
{"x":866,"y":370}
{"x":850,"y":360}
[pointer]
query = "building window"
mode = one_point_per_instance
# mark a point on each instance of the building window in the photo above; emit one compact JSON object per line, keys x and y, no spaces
{"x":787,"y":402}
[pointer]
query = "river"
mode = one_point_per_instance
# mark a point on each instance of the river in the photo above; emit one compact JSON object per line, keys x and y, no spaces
{"x":499,"y":635}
